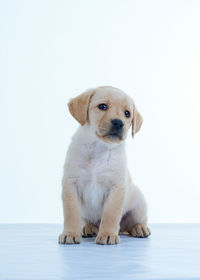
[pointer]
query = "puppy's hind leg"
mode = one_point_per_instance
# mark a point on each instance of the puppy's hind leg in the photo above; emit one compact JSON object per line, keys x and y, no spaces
{"x":90,"y":230}
{"x":140,"y":230}
{"x":137,"y":226}
{"x":136,"y":223}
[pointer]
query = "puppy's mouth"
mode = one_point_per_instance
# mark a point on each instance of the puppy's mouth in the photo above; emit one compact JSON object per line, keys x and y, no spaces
{"x":114,"y":135}
{"x":111,"y":137}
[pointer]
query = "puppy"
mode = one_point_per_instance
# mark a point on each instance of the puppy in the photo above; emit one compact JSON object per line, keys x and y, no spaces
{"x":97,"y":187}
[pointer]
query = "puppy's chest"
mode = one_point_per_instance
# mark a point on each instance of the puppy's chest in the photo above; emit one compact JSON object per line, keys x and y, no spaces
{"x":95,"y":169}
{"x":94,"y":179}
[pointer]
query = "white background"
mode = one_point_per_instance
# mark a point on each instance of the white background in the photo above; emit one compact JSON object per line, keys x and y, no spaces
{"x":53,"y":50}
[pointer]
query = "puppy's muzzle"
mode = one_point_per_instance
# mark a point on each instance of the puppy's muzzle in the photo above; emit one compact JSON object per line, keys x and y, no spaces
{"x":116,"y":129}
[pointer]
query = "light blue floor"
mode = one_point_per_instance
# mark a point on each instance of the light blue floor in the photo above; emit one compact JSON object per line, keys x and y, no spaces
{"x":31,"y":252}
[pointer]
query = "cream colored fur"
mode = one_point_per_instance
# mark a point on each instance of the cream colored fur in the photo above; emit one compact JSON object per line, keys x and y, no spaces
{"x":97,"y":187}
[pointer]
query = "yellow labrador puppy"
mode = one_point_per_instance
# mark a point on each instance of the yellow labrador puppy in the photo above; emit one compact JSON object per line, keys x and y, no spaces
{"x":97,"y":187}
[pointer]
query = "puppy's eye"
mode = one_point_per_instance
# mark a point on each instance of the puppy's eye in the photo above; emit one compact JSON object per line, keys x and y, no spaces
{"x":102,"y":106}
{"x":127,"y":114}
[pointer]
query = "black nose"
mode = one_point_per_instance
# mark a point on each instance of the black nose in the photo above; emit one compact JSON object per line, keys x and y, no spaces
{"x":117,"y":124}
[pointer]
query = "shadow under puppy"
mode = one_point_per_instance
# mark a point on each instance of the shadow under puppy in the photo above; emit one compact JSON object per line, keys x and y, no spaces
{"x":96,"y":186}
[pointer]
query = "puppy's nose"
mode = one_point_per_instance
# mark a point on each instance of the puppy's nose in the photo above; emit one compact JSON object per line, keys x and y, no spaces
{"x":117,"y":124}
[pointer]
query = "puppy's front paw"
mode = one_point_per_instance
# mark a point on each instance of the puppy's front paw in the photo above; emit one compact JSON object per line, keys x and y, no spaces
{"x":140,"y":230}
{"x":69,"y":238}
{"x":107,"y":238}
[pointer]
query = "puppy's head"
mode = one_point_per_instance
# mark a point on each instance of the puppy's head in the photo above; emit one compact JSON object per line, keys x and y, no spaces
{"x":108,"y":111}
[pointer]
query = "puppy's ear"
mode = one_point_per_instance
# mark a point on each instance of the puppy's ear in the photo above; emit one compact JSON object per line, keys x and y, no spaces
{"x":136,"y":121}
{"x":78,"y":106}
